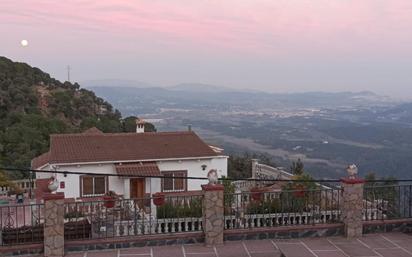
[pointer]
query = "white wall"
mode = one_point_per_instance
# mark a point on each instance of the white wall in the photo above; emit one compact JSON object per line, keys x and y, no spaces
{"x":117,"y":184}
{"x":153,"y":185}
{"x":72,"y":182}
{"x":194,"y":169}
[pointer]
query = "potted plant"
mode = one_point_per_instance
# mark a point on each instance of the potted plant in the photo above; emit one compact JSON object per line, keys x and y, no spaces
{"x":109,"y":199}
{"x":299,"y":190}
{"x":19,"y":193}
{"x":74,"y":215}
{"x":256,"y":194}
{"x":159,"y":199}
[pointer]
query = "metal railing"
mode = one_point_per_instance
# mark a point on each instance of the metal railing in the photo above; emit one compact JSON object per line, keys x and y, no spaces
{"x":387,"y":202}
{"x":270,"y":209}
{"x":21,"y":224}
{"x":133,"y":217}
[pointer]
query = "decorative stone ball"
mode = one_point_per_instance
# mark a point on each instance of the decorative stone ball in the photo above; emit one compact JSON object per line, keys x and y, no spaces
{"x":53,"y":184}
{"x":352,"y":171}
{"x":212,"y":176}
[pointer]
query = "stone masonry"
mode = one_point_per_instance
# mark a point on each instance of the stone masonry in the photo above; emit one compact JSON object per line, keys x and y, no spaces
{"x":213,"y":215}
{"x":352,"y":205}
{"x":54,"y":225}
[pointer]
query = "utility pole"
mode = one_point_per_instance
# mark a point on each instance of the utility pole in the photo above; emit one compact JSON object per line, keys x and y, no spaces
{"x":68,"y":73}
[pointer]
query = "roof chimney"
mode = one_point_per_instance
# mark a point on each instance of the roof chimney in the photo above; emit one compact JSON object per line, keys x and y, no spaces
{"x":140,"y":125}
{"x":189,"y":127}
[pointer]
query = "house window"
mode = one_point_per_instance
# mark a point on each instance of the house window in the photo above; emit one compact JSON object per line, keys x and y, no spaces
{"x":93,"y":186}
{"x":173,"y":181}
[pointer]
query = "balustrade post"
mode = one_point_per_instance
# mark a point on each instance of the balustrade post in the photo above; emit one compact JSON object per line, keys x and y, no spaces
{"x":352,"y":206}
{"x":255,"y":163}
{"x":213,"y":213}
{"x":54,"y":225}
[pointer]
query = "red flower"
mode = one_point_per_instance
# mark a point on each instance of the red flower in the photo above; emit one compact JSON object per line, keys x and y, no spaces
{"x":159,"y":199}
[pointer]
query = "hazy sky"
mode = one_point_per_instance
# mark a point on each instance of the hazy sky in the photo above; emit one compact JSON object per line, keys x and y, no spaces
{"x":276,"y":45}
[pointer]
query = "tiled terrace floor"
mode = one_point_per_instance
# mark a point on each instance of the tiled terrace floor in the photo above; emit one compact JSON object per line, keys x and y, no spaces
{"x":375,"y":245}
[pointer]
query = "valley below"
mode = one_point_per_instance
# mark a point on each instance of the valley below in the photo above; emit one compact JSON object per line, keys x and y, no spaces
{"x":327,"y":131}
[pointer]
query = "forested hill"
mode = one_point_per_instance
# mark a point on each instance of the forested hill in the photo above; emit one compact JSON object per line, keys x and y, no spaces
{"x":34,"y":105}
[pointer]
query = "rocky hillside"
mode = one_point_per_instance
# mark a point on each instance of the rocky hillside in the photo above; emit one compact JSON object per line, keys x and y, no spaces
{"x":34,"y":105}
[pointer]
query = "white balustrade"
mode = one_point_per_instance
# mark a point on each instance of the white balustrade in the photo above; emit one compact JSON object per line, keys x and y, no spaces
{"x":157,"y":226}
{"x":279,"y":219}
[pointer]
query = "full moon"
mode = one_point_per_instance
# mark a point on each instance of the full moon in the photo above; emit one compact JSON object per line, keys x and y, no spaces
{"x":24,"y":43}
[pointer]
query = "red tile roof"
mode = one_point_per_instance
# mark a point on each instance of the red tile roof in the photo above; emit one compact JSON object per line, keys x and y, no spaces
{"x":276,"y":187}
{"x":115,"y":147}
{"x":93,"y":130}
{"x":138,"y":169}
{"x":40,"y":160}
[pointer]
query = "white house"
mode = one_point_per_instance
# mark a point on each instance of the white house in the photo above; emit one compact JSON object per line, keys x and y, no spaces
{"x":128,"y":154}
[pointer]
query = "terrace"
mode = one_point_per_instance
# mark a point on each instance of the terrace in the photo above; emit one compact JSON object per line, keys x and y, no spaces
{"x":288,"y":222}
{"x":376,"y":245}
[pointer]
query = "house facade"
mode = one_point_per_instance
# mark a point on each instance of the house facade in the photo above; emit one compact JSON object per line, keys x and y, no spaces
{"x":157,"y":157}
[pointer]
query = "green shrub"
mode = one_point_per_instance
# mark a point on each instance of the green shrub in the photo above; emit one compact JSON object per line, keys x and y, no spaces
{"x":171,"y":209}
{"x":73,"y":215}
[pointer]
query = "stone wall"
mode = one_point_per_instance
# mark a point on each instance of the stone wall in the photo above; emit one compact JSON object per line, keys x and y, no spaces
{"x":213,"y":225}
{"x":134,"y":241}
{"x":17,"y":250}
{"x":384,"y":226}
{"x":287,"y":232}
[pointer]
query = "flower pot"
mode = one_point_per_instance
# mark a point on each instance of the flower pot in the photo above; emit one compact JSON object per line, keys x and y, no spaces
{"x":299,"y":191}
{"x":19,"y":198}
{"x":159,"y":199}
{"x":256,"y":194}
{"x":109,"y":201}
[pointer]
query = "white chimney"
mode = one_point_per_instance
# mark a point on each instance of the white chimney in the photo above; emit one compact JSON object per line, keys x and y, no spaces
{"x":140,"y":126}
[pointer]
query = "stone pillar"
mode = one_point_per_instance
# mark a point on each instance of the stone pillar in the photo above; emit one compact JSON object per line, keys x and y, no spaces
{"x":126,"y":187}
{"x":255,"y":162}
{"x":54,"y":225}
{"x":352,"y":206}
{"x":213,"y":214}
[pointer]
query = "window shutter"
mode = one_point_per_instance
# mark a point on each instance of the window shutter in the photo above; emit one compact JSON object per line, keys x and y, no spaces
{"x":168,"y":182}
{"x":180,"y":182}
{"x":99,"y":185}
{"x":87,"y":185}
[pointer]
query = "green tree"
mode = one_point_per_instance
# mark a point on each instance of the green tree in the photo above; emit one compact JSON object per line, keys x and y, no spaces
{"x":4,"y":179}
{"x":297,"y":168}
{"x":240,"y":165}
{"x":301,"y":190}
{"x":383,"y":194}
{"x":229,"y":190}
{"x":129,"y":125}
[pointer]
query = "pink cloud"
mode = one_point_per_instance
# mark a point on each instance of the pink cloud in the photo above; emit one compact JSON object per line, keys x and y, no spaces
{"x":257,"y":26}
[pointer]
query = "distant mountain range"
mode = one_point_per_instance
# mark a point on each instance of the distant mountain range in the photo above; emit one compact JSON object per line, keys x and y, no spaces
{"x":115,"y":82}
{"x":194,"y":96}
{"x":128,"y":85}
{"x":200,"y":88}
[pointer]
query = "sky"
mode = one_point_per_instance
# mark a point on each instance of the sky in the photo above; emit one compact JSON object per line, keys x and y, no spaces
{"x":271,"y":45}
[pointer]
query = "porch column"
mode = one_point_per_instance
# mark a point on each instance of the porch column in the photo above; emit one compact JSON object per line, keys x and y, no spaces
{"x":126,"y":188}
{"x":213,"y":215}
{"x":255,"y":163}
{"x":54,"y":225}
{"x":352,"y":206}
{"x":155,"y":187}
